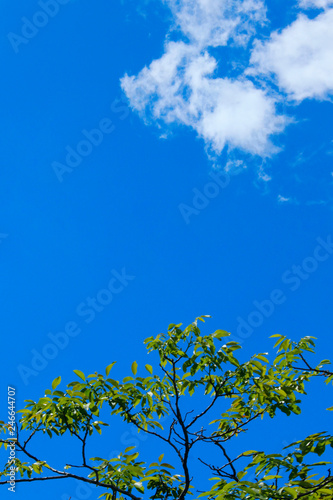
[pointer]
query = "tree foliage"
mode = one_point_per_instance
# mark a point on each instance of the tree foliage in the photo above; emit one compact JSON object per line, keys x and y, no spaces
{"x":190,"y":368}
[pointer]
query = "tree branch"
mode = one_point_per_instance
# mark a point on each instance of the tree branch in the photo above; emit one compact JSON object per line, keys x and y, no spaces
{"x":325,"y":482}
{"x":30,"y":480}
{"x":152,"y":433}
{"x":186,"y":436}
{"x":203,"y":412}
{"x":31,"y":435}
{"x":230,"y":462}
{"x":64,"y":475}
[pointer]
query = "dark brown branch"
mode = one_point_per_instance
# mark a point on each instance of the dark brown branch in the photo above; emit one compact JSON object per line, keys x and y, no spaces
{"x":234,"y":460}
{"x":229,"y":433}
{"x":203,"y":412}
{"x":171,"y":429}
{"x":74,"y":433}
{"x":73,"y":476}
{"x":84,"y":445}
{"x":152,"y":433}
{"x":187,"y":413}
{"x":230,"y":462}
{"x":325,"y":482}
{"x":240,"y":426}
{"x":324,"y":373}
{"x":64,"y":475}
{"x":186,"y":436}
{"x":31,"y":435}
{"x":217,"y":395}
{"x":276,"y":479}
{"x":309,"y":368}
{"x":171,"y":408}
{"x":27,"y":480}
{"x":217,"y":470}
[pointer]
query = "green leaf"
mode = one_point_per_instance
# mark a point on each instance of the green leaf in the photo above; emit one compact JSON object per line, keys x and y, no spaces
{"x":129,"y":449}
{"x":134,"y":367}
{"x":108,"y":496}
{"x":262,"y":358}
{"x":149,"y":368}
{"x":330,"y":408}
{"x":108,"y":368}
{"x":291,"y":491}
{"x":131,"y":458}
{"x":320,"y":448}
{"x":80,"y":374}
{"x":97,"y":427}
{"x":220,"y":333}
{"x":201,"y":318}
{"x":281,"y":339}
{"x":257,"y":364}
{"x":36,"y":468}
{"x":160,"y":458}
{"x":56,"y":382}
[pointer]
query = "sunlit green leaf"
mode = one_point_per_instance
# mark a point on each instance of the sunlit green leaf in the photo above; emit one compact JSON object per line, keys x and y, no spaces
{"x":108,"y":368}
{"x":80,"y":374}
{"x":149,"y":368}
{"x":56,"y":382}
{"x":134,"y":367}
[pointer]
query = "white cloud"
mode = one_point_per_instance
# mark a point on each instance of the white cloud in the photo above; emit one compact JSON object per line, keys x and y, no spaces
{"x":283,"y":199}
{"x":320,"y":4}
{"x":182,"y":86}
{"x":262,"y":174}
{"x":301,"y":57}
{"x":235,"y":166}
{"x":214,"y":22}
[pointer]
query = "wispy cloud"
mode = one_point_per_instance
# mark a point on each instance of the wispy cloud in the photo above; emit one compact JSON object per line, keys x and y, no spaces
{"x":284,"y":199}
{"x":213,"y":23}
{"x":319,"y":4}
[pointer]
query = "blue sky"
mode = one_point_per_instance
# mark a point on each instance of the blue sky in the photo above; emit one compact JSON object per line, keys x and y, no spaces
{"x":180,"y":152}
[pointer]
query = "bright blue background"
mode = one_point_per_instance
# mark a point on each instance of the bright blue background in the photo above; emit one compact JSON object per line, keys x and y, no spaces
{"x":119,"y":208}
